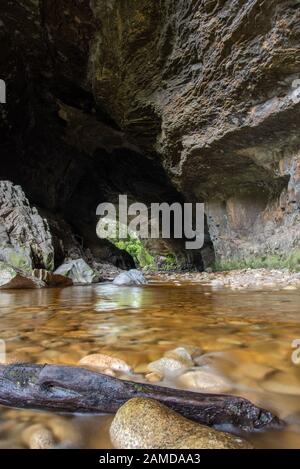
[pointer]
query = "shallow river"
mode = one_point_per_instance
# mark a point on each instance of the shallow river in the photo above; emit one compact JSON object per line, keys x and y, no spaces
{"x":248,"y":333}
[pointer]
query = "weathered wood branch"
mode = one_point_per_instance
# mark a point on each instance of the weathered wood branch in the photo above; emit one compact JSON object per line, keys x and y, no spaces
{"x":77,"y":390}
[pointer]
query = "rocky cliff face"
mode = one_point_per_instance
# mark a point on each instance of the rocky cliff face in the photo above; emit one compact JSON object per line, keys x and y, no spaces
{"x":25,"y":238}
{"x":184,"y":100}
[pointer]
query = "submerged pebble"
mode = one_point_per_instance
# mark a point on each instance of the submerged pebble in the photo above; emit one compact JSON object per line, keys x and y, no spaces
{"x":204,"y":381}
{"x":187,"y":354}
{"x":154,"y":377}
{"x":168,"y":366}
{"x":38,"y":437}
{"x":101,"y":362}
{"x":174,"y":361}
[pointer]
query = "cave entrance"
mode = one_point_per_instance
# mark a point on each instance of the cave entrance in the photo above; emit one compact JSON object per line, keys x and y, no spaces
{"x":149,"y":254}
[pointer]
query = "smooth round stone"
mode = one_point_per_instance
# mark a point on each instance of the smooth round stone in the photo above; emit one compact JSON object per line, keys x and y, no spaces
{"x":99,"y":361}
{"x":186,"y":354}
{"x":204,"y":381}
{"x":168,"y":366}
{"x":147,"y":424}
{"x":38,"y":437}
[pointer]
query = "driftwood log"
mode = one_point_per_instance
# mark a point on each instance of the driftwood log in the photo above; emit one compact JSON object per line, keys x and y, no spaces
{"x":77,"y":390}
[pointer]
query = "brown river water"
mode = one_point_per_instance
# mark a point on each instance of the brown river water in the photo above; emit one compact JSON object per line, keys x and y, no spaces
{"x":248,"y":333}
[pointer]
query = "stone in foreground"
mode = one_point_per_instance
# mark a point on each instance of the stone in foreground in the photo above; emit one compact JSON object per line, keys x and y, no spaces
{"x":78,"y":271}
{"x":147,"y":424}
{"x":13,"y":279}
{"x":130,"y":278}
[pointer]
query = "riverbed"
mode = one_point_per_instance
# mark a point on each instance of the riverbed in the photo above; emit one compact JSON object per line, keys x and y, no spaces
{"x":247,"y":335}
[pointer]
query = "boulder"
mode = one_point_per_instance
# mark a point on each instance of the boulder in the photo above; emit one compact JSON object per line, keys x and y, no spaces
{"x":147,"y":424}
{"x":51,"y":279}
{"x":78,"y":271}
{"x":25,"y":238}
{"x":11,"y":278}
{"x":132,"y":277}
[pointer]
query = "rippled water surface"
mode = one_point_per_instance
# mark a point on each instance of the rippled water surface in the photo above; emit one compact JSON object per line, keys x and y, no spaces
{"x":251,"y":332}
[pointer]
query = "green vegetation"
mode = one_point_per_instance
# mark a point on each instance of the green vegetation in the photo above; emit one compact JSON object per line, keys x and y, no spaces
{"x":170,"y":263}
{"x":137,"y":250}
{"x":272,"y":261}
{"x":142,"y":257}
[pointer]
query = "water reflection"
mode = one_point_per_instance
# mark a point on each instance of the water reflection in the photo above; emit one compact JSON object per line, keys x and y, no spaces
{"x":112,"y":297}
{"x":248,"y":333}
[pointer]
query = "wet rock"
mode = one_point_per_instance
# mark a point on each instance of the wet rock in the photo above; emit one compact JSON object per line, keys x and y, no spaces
{"x":169,"y":366}
{"x":78,"y":271}
{"x":52,"y":279}
{"x":10,"y":278}
{"x":101,"y":362}
{"x":187,"y":353}
{"x":147,"y":424}
{"x":204,"y":381}
{"x":25,"y":239}
{"x":173,"y":362}
{"x":132,"y":277}
{"x":38,"y":437}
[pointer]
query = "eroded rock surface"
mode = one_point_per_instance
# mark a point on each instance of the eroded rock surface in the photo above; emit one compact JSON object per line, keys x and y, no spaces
{"x":25,"y":238}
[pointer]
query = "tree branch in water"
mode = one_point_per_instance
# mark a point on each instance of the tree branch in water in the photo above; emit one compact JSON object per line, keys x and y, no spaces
{"x":77,"y":390}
